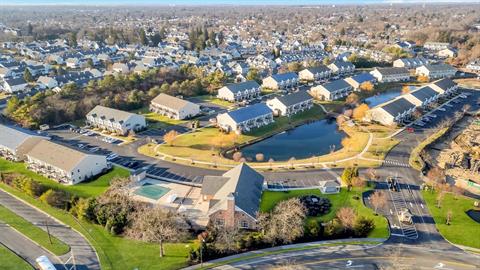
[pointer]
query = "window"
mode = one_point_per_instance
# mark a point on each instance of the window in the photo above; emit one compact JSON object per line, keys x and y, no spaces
{"x":220,"y":222}
{"x":244,"y":224}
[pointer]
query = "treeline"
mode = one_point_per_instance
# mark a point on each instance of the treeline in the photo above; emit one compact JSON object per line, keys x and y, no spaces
{"x":124,"y":92}
{"x":200,"y":38}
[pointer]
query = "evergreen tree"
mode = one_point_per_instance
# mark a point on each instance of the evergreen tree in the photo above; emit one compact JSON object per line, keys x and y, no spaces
{"x":27,"y":75}
{"x":143,"y":37}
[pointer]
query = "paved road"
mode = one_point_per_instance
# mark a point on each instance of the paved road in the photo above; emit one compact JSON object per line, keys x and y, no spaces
{"x":85,"y":256}
{"x":22,"y":246}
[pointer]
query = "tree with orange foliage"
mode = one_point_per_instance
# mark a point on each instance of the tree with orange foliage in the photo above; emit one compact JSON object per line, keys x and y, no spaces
{"x":360,"y":112}
{"x":170,"y":137}
{"x":405,"y":89}
{"x":367,"y":86}
{"x":423,"y":79}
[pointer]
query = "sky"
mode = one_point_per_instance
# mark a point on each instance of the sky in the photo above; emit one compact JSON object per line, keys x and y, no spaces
{"x":218,"y":2}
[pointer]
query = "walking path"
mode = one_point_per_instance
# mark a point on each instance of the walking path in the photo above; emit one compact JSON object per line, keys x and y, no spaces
{"x":85,"y":256}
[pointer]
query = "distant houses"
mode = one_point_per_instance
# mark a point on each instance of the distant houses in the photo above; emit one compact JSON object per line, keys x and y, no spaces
{"x":114,"y":120}
{"x":436,"y":71}
{"x":422,"y":97}
{"x":15,"y":142}
{"x":245,"y":119}
{"x":281,"y":81}
{"x":410,"y":63}
{"x":63,"y":164}
{"x":315,"y":73}
{"x":391,"y":74}
{"x":436,"y":46}
{"x":332,"y":90}
{"x":291,"y":104}
{"x":356,"y":81}
{"x":239,"y":91}
{"x":173,"y":107}
{"x":13,"y":85}
{"x":474,"y":66}
{"x":234,"y":197}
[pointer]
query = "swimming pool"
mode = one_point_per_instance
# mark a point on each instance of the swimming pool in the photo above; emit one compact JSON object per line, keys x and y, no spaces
{"x":152,"y":191}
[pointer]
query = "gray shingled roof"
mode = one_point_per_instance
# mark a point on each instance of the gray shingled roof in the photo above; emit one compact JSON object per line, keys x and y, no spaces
{"x":12,"y":137}
{"x":110,"y":114}
{"x":171,"y":102}
{"x":294,"y":98}
{"x":239,"y":87}
{"x":439,"y":67}
{"x":250,"y":112}
{"x":318,"y":69}
{"x":397,"y":106}
{"x":336,"y":85}
{"x":444,"y":83}
{"x":392,"y":70}
{"x":285,"y":76}
{"x":424,"y":93}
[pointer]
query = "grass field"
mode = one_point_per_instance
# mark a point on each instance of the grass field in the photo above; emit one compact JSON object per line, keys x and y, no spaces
{"x":10,"y":260}
{"x":33,"y":232}
{"x":91,"y":188}
{"x":462,"y":229}
{"x":215,"y":100}
{"x":155,"y":120}
{"x":116,"y":252}
{"x":343,"y":199}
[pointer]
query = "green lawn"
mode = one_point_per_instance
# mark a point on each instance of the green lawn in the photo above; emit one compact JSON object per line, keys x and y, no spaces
{"x":215,"y":100}
{"x":116,"y":252}
{"x":463,"y":230}
{"x":33,"y":232}
{"x":343,"y":199}
{"x":155,"y":120}
{"x":10,"y":260}
{"x":91,"y":188}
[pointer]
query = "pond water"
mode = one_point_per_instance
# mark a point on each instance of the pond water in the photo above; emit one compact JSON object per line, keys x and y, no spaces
{"x":383,"y":97}
{"x":314,"y":139}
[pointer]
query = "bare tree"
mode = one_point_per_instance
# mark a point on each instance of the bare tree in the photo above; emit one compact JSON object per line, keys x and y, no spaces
{"x":449,"y":216}
{"x":440,"y":197}
{"x":372,"y":174}
{"x":158,"y":226}
{"x":237,"y":156}
{"x":378,"y":199}
{"x":170,"y":137}
{"x":285,"y":223}
{"x":259,"y":157}
{"x":226,"y":239}
{"x":346,"y":216}
{"x":270,"y":163}
{"x":358,"y":183}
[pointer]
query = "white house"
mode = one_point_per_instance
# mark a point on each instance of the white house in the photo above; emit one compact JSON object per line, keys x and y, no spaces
{"x":342,"y":67}
{"x":392,"y":111}
{"x":410,"y":63}
{"x":436,"y":46}
{"x":447,"y":53}
{"x":356,"y":81}
{"x":47,"y":82}
{"x":474,"y":66}
{"x":12,"y":85}
{"x":332,"y":90}
{"x":422,"y":97}
{"x":245,"y":119}
{"x":281,"y":81}
{"x":173,"y":107}
{"x":291,"y":104}
{"x":66,"y":165}
{"x":436,"y":71}
{"x":391,"y":74}
{"x":73,"y":62}
{"x":239,"y":91}
{"x":15,"y":142}
{"x":114,"y":120}
{"x":315,"y":73}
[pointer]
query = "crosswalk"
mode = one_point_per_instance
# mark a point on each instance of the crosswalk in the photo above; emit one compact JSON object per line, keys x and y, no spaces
{"x":408,"y":230}
{"x":396,"y":163}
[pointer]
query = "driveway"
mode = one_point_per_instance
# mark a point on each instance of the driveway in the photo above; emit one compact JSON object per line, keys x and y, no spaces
{"x":85,"y":256}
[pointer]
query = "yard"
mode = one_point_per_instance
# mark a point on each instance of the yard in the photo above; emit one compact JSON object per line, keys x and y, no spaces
{"x":116,"y":252}
{"x":155,"y":120}
{"x":91,"y":188}
{"x":9,"y":260}
{"x":462,"y":229}
{"x":344,"y":198}
{"x":33,"y":232}
{"x":214,"y":100}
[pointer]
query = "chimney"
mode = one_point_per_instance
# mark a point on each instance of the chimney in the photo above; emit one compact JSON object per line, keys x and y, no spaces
{"x":230,"y":212}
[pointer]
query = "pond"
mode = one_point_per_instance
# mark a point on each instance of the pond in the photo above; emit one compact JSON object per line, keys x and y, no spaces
{"x":313,"y":139}
{"x":383,"y":97}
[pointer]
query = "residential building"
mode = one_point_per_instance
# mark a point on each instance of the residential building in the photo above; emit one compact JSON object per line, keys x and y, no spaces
{"x":329,"y":187}
{"x":436,"y":46}
{"x":391,"y":74}
{"x":474,"y":66}
{"x":114,"y":120}
{"x":291,"y":104}
{"x":410,"y":63}
{"x":436,"y":71}
{"x":315,"y":73}
{"x":245,"y":119}
{"x":422,"y":96}
{"x":447,"y":53}
{"x":239,"y":91}
{"x":342,"y":67}
{"x":173,"y":107}
{"x":47,"y":82}
{"x":15,"y":142}
{"x":234,"y":198}
{"x":13,"y":85}
{"x":332,"y":90}
{"x":357,"y":80}
{"x":66,"y":165}
{"x":391,"y":112}
{"x":281,"y":81}
{"x":444,"y":86}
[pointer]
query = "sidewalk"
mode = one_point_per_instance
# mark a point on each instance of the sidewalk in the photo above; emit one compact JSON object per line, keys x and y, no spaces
{"x":290,"y":248}
{"x":85,"y":255}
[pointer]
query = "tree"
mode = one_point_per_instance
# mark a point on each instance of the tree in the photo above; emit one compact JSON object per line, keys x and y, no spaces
{"x":372,"y":174}
{"x":253,"y":75}
{"x":347,"y":176}
{"x":423,"y":79}
{"x":259,"y":157}
{"x":405,"y":89}
{"x":237,"y":156}
{"x":143,"y":37}
{"x":358,"y":183}
{"x":27,"y":76}
{"x":360,"y":111}
{"x":285,"y":223}
{"x":226,"y":239}
{"x":436,"y":176}
{"x":367,"y":86}
{"x":170,"y":137}
{"x":363,"y":226}
{"x":440,"y":197}
{"x":449,"y":216}
{"x":156,"y":225}
{"x":378,"y":199}
{"x":346,"y":216}
{"x":352,"y":99}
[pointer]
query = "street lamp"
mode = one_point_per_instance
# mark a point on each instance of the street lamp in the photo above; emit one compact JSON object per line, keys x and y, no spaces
{"x":201,"y":253}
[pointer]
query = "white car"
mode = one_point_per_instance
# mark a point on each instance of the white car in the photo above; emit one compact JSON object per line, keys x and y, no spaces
{"x":432,"y":115}
{"x":441,"y":109}
{"x":112,"y":156}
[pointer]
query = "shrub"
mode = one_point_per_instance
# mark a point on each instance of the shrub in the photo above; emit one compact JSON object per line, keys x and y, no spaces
{"x":33,"y":188}
{"x":313,"y":229}
{"x":363,"y":226}
{"x":334,"y":228}
{"x":315,"y":205}
{"x":56,"y":198}
{"x":84,"y":209}
{"x":252,"y":240}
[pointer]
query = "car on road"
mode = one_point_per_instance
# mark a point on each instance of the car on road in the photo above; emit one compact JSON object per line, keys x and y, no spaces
{"x":410,"y":130}
{"x":432,"y":115}
{"x":441,"y":109}
{"x":112,"y":156}
{"x":392,"y":184}
{"x":405,"y":216}
{"x":449,"y":105}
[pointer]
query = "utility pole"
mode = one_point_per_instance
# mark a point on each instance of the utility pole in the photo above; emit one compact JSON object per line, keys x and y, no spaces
{"x":48,"y":232}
